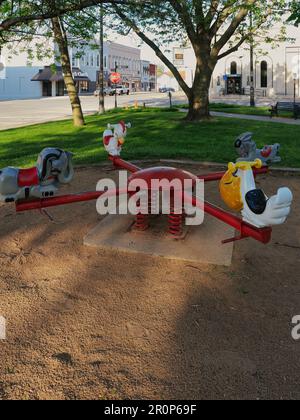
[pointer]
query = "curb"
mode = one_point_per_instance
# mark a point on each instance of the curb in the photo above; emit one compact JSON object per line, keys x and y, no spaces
{"x":293,"y":171}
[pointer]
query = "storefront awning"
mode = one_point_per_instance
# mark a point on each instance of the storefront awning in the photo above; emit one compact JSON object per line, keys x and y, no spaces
{"x":48,"y":75}
{"x":44,"y":75}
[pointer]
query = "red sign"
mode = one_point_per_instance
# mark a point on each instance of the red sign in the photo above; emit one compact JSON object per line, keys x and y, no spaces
{"x":115,"y":78}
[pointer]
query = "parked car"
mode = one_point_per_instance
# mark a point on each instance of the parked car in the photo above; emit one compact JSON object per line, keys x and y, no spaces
{"x":166,"y":90}
{"x":107,"y":91}
{"x":121,"y":90}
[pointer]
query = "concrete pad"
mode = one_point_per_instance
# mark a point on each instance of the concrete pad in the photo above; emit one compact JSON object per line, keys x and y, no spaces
{"x":201,"y":244}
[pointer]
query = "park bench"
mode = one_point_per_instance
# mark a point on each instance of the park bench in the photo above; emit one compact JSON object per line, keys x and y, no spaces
{"x":286,"y":106}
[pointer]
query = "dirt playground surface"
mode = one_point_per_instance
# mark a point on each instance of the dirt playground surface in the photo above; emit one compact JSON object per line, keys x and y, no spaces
{"x":88,"y":324}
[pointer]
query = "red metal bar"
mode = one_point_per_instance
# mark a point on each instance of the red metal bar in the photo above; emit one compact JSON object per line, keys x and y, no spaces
{"x":262,"y":235}
{"x":217,"y":176}
{"x":62,"y":200}
{"x":120,"y":163}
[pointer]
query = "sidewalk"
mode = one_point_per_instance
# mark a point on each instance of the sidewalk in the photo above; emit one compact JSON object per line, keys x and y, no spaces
{"x":252,"y":118}
{"x":256,"y":118}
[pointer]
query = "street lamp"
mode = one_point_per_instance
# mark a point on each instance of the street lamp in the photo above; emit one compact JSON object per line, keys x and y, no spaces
{"x":296,"y":77}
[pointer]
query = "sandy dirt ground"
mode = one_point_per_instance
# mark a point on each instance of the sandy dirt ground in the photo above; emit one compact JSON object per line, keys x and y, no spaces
{"x":88,"y":324}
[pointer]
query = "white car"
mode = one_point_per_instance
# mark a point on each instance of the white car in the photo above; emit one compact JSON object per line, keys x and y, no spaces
{"x":107,"y":91}
{"x":121,"y":90}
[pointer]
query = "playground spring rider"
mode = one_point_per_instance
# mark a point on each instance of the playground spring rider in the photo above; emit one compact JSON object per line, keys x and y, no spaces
{"x":248,"y":151}
{"x":237,"y":188}
{"x":54,"y":167}
{"x":114,"y":138}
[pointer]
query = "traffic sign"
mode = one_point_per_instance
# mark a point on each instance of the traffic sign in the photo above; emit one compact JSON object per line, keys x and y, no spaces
{"x":115,"y":78}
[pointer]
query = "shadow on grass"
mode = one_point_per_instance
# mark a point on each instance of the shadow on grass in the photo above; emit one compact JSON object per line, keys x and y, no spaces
{"x":155,"y":134}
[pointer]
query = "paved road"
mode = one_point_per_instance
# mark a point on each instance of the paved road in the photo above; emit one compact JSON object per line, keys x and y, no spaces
{"x":26,"y":112}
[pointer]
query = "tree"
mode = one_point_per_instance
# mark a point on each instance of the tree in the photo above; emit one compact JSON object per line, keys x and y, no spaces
{"x":61,"y":39}
{"x":24,"y":22}
{"x":15,"y":13}
{"x":81,"y":30}
{"x":214,"y":28}
{"x":77,"y":30}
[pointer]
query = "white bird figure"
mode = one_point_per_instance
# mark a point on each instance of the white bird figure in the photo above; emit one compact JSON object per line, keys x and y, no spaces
{"x":114,"y":138}
{"x":238,"y":190}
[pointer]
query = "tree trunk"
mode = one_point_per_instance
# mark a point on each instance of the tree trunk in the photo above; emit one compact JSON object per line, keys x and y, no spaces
{"x":199,"y":95}
{"x":62,"y":42}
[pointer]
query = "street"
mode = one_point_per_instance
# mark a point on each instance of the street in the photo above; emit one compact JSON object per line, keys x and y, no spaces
{"x":20,"y":113}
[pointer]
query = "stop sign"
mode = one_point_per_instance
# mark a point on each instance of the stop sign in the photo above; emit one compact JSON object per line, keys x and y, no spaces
{"x":115,"y":78}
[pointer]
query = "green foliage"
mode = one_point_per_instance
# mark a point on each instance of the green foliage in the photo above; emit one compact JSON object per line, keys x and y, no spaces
{"x":261,"y":111}
{"x":35,"y":37}
{"x":295,"y":16}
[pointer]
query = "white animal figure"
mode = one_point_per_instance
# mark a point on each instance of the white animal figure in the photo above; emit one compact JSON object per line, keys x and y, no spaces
{"x":248,"y":151}
{"x":54,"y":167}
{"x":114,"y":138}
{"x":238,"y":190}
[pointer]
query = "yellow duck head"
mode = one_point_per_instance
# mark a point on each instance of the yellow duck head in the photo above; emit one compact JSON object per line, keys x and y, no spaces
{"x":231,"y":183}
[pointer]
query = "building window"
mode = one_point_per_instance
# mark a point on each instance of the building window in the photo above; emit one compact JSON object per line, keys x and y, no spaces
{"x":233,"y":68}
{"x":264,"y":74}
{"x":92,"y":60}
{"x":219,"y":81}
{"x":179,"y":56}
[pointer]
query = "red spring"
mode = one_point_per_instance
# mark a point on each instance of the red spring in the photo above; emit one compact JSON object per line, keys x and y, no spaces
{"x":141,"y":222}
{"x":175,"y":224}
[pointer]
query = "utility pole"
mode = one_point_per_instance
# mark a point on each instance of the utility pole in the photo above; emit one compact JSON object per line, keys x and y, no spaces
{"x":252,"y":84}
{"x":116,"y":94}
{"x":101,"y":72}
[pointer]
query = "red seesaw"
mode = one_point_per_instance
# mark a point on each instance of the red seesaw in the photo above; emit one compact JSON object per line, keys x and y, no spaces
{"x":237,"y":188}
{"x":245,"y":229}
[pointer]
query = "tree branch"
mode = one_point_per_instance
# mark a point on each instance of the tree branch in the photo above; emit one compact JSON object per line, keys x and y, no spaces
{"x":233,"y":49}
{"x":185,"y":17}
{"x":55,"y":12}
{"x":213,"y":9}
{"x":156,"y":49}
{"x":236,"y":21}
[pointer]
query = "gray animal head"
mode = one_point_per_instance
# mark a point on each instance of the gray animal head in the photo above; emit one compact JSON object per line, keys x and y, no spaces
{"x":245,"y":145}
{"x":55,"y":163}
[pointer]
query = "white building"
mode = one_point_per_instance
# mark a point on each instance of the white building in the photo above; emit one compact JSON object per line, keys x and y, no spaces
{"x":16,"y":75}
{"x":21,"y":80}
{"x":275,"y":69}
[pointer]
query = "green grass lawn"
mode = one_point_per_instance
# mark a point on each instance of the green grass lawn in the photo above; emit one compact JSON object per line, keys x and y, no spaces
{"x":241,"y":109}
{"x":155,"y":134}
{"x":262,"y":111}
